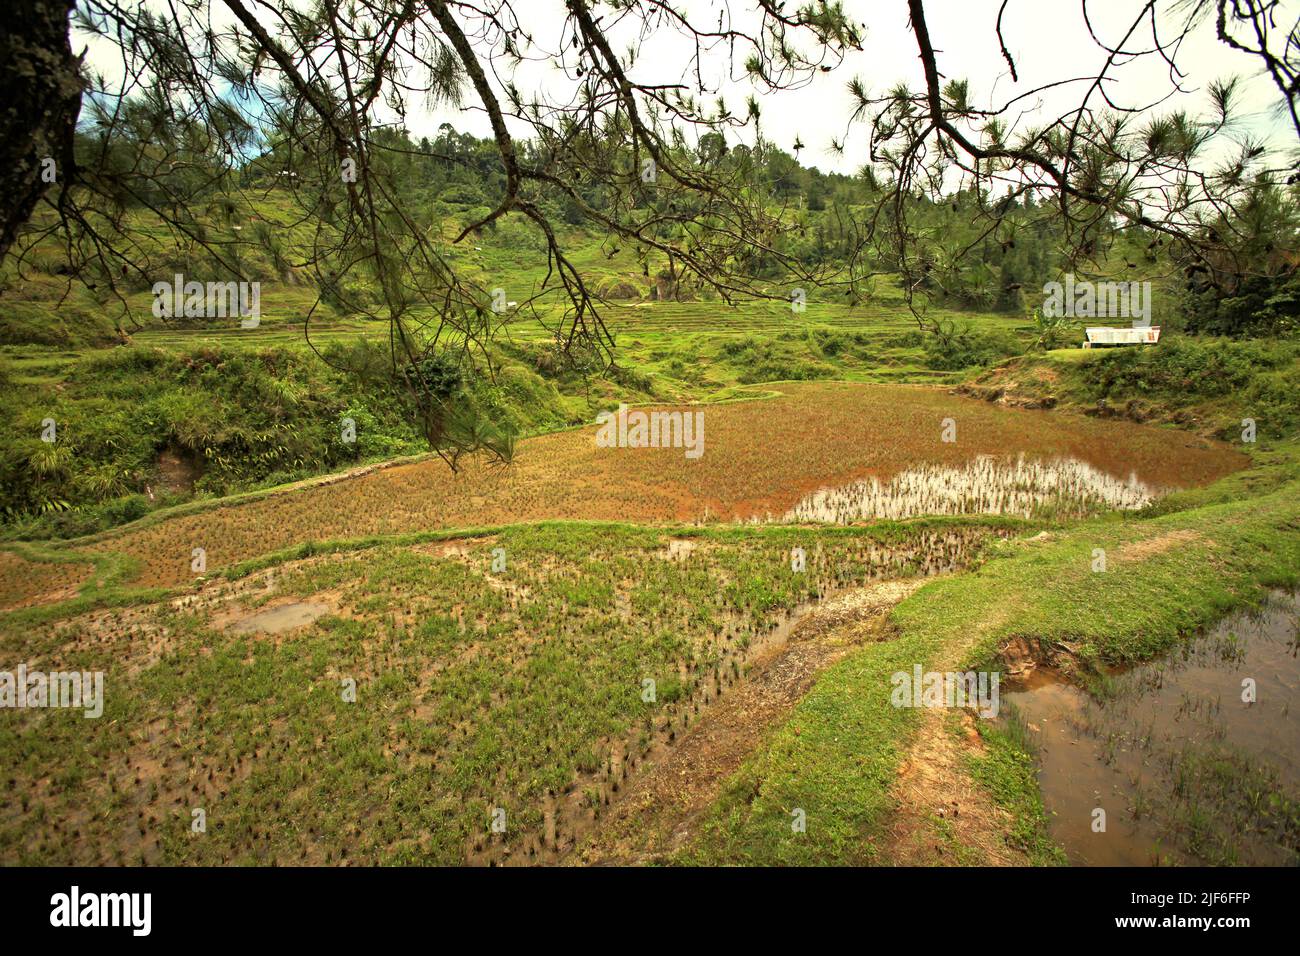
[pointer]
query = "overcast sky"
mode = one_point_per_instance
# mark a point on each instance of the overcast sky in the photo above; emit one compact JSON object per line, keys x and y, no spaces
{"x":1047,"y":38}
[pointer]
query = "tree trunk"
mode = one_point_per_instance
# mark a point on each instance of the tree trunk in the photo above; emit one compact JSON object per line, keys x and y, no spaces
{"x":40,"y":89}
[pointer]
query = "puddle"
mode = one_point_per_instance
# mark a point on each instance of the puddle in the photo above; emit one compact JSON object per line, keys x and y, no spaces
{"x":679,"y":549}
{"x":283,"y":618}
{"x":1185,"y":770}
{"x":1023,"y":486}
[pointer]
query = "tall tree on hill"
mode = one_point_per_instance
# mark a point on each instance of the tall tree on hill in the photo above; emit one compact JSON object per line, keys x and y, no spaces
{"x":1105,"y":165}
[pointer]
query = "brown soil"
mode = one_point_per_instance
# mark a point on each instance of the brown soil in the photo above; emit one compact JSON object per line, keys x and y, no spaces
{"x":278,"y":617}
{"x":1150,"y":547}
{"x":176,"y":472}
{"x":26,"y":583}
{"x":933,"y":794}
{"x":934,"y":791}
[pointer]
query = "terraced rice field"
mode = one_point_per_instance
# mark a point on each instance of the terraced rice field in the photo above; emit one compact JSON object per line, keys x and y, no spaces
{"x":760,"y":458}
{"x":453,"y":665}
{"x":386,"y":701}
{"x":269,"y":334}
{"x":24,"y":582}
{"x":649,"y":322}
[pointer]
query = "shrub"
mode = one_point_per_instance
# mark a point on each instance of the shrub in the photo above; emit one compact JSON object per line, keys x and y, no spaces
{"x":952,"y":348}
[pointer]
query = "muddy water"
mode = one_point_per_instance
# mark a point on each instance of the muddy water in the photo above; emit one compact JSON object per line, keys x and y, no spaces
{"x":279,"y":619}
{"x":1185,"y":770}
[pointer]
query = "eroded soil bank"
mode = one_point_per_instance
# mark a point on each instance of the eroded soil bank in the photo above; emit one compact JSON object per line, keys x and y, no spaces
{"x":662,"y":808}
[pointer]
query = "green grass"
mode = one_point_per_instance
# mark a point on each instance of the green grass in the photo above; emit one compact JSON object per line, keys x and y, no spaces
{"x":1007,"y":772}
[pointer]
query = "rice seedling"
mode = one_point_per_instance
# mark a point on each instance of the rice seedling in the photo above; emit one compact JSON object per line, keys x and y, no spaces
{"x":466,"y":702}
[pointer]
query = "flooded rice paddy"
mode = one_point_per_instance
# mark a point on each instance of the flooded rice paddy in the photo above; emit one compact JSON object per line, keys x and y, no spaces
{"x":1185,"y":769}
{"x":883,"y":447}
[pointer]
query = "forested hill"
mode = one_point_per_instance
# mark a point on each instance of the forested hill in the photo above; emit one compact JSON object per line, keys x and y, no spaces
{"x":253,"y":220}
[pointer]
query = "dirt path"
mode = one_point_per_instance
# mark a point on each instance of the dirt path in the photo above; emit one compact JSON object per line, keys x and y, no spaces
{"x":658,"y":813}
{"x":942,"y":817}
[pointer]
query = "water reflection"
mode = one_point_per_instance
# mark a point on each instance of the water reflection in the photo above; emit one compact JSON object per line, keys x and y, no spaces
{"x":1025,"y":487}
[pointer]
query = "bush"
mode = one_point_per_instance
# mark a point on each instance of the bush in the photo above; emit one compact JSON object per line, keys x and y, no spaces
{"x":1258,"y":378}
{"x":951,"y":348}
{"x":1263,"y":305}
{"x":461,"y":194}
{"x":1209,"y":368}
{"x":244,"y":416}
